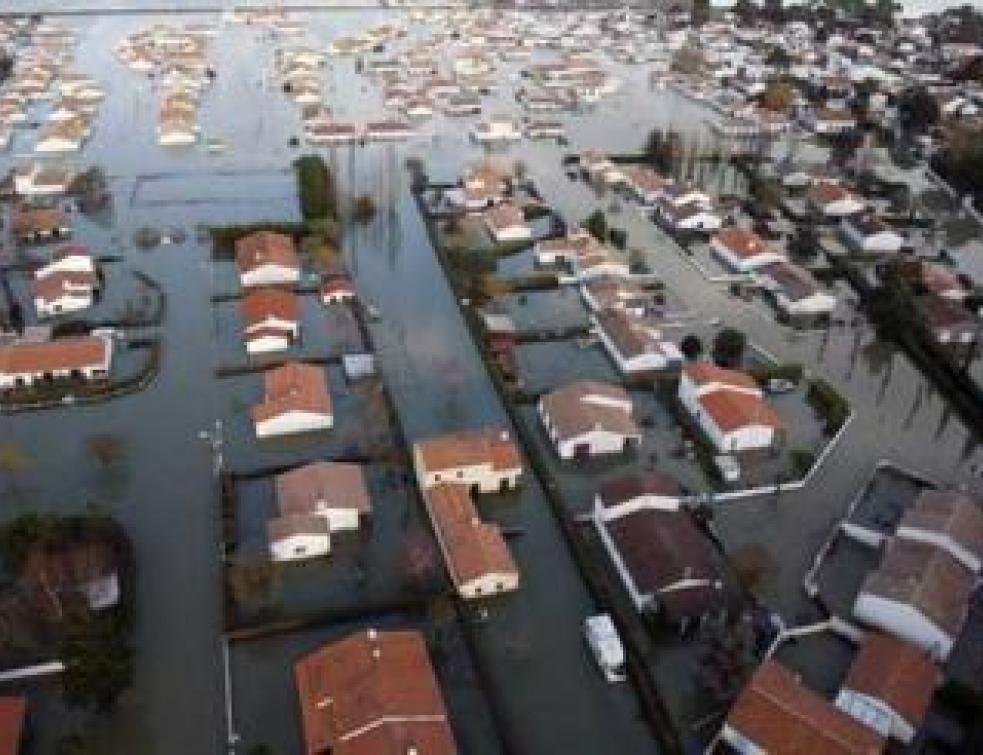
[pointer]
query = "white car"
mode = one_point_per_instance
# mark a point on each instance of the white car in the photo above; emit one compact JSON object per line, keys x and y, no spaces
{"x":604,"y":642}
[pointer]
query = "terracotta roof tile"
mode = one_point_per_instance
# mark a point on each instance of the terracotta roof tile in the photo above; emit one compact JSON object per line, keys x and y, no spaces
{"x":472,"y":548}
{"x":783,"y":717}
{"x":372,"y":693}
{"x":337,"y":484}
{"x":71,"y":353}
{"x":895,"y":672}
{"x":294,"y":387}
{"x":470,"y":448}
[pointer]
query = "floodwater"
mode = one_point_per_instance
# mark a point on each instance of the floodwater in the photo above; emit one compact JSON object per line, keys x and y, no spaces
{"x":550,"y":696}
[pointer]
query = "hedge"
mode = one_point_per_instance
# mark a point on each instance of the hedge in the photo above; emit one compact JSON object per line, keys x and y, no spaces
{"x":315,"y":188}
{"x":831,"y":405}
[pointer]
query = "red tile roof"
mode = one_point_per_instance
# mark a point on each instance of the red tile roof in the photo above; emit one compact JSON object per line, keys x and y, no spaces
{"x":925,"y":577}
{"x":732,"y":410}
{"x":470,"y":448}
{"x":372,"y":693}
{"x":257,"y":305}
{"x":472,"y":548}
{"x":72,"y":353}
{"x":741,"y":242}
{"x":338,"y":484}
{"x":294,"y":387}
{"x":702,"y":373}
{"x":13,"y":713}
{"x":265,"y":248}
{"x":896,"y":673}
{"x":783,"y":717}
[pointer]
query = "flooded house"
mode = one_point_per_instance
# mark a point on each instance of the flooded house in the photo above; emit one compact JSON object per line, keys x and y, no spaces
{"x":388,"y":131}
{"x":372,"y":692}
{"x":271,"y":320}
{"x":586,"y":418}
{"x":27,"y":362}
{"x":506,"y":223}
{"x":334,"y":491}
{"x":41,"y":180}
{"x":63,"y":136}
{"x":297,"y":537}
{"x":337,"y":290}
{"x":296,"y":399}
{"x":69,"y":283}
{"x":729,"y":408}
{"x":635,"y":345}
{"x":919,"y":592}
{"x":486,"y":460}
{"x":475,"y":553}
{"x":776,"y":712}
{"x":497,"y":129}
{"x":868,"y":233}
{"x":326,"y":131}
{"x":796,"y":293}
{"x":742,"y":250}
{"x":265,"y":258}
{"x":889,"y":686}
{"x":668,"y":567}
{"x":831,"y":200}
{"x":39,"y":224}
{"x":610,"y":292}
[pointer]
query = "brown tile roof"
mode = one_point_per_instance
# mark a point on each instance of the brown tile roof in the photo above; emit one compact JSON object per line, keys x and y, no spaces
{"x":895,"y":672}
{"x":71,"y":250}
{"x":732,"y":410}
{"x":339,"y":485}
{"x":741,"y":242}
{"x":630,"y":338}
{"x":13,"y":714}
{"x":30,"y":220}
{"x":293,"y":387}
{"x":472,"y":548}
{"x":925,"y":577}
{"x":265,"y":248}
{"x":283,"y":527}
{"x":572,"y":413}
{"x":337,"y":285}
{"x":71,"y":353}
{"x":780,"y":715}
{"x":661,"y":548}
{"x":824,"y":193}
{"x":948,"y":512}
{"x":470,"y":448}
{"x":257,"y":305}
{"x":504,"y":215}
{"x":372,"y":693}
{"x":623,"y":489}
{"x":53,"y":286}
{"x":702,"y":373}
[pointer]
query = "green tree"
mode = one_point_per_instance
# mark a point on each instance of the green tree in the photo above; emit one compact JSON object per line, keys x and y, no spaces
{"x":691,"y":346}
{"x":98,"y":661}
{"x":597,"y":225}
{"x":728,"y":347}
{"x":316,"y":188}
{"x":918,"y":110}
